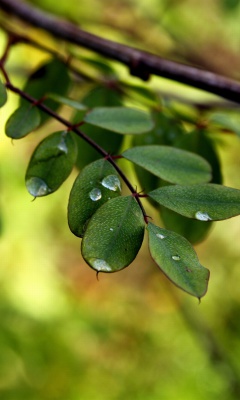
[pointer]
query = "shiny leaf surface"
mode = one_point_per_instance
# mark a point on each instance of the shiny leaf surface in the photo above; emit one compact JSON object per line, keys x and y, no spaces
{"x":178,"y":260}
{"x":97,"y":183}
{"x":114,"y":235}
{"x":205,"y":202}
{"x":50,"y":164}
{"x":171,"y":164}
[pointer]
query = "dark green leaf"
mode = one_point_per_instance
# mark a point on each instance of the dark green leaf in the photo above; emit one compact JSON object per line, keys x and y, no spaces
{"x":178,"y":260}
{"x":51,"y":77}
{"x":24,"y":120}
{"x":95,"y":185}
{"x":3,"y":94}
{"x":207,"y":202}
{"x":50,"y":164}
{"x":171,"y":164}
{"x":114,"y":235}
{"x":122,"y":120}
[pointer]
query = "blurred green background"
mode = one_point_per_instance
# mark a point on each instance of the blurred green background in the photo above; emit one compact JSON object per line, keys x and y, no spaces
{"x":65,"y":335}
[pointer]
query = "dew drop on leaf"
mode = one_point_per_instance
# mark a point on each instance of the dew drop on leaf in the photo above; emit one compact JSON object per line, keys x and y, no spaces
{"x":176,"y":258}
{"x":160,"y":236}
{"x":111,"y":182}
{"x":95,"y":194}
{"x":37,"y":187}
{"x":202,"y":216}
{"x":100,"y":265}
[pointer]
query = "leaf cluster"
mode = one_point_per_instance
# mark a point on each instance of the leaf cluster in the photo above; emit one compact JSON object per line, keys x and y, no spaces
{"x":174,"y":160}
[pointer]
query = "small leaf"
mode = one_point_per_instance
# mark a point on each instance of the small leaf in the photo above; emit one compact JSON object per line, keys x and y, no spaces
{"x":122,"y":120}
{"x":66,"y":101}
{"x":97,"y":183}
{"x":50,"y":164}
{"x":114,"y":235}
{"x":3,"y":94}
{"x":24,"y":120}
{"x":229,"y":121}
{"x":171,"y":164}
{"x":207,"y":202}
{"x":178,"y":260}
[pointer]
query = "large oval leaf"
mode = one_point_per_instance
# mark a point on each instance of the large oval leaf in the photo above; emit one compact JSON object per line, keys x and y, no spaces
{"x":3,"y":94}
{"x":120,"y":119}
{"x":50,"y":164}
{"x":171,"y":164}
{"x":24,"y":120}
{"x":178,"y":260}
{"x":114,"y":235}
{"x":97,"y":183}
{"x":205,"y":202}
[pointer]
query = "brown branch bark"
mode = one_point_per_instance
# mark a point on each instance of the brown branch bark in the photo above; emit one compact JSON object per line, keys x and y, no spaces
{"x":140,"y":63}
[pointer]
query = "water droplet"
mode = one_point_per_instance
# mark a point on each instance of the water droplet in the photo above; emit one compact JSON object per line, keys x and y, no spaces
{"x":100,"y":265}
{"x":37,"y":187}
{"x":62,"y":145}
{"x":160,"y":236}
{"x":176,"y":258}
{"x":202,"y":216}
{"x":111,"y":182}
{"x":95,"y":194}
{"x":111,"y":229}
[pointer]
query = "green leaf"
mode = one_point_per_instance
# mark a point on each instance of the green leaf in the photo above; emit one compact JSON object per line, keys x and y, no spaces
{"x":51,"y":164}
{"x":122,"y":120}
{"x":114,"y":235}
{"x":207,"y":202}
{"x":95,"y":185}
{"x":66,"y":101}
{"x":178,"y":260}
{"x":171,"y":164}
{"x":51,"y":77}
{"x":24,"y":120}
{"x":3,"y":94}
{"x":110,"y":141}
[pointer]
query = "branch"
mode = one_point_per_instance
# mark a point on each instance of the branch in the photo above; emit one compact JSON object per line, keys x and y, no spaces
{"x":140,"y":63}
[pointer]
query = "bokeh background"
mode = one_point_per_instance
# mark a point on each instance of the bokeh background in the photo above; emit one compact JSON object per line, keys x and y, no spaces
{"x":64,"y":335}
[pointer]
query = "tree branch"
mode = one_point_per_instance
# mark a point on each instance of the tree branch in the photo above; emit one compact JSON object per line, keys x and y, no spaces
{"x":140,"y":63}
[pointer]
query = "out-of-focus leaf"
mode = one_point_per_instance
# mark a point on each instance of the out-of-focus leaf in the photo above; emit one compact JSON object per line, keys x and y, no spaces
{"x":122,"y":120}
{"x":205,"y":202}
{"x":171,"y":164}
{"x":52,"y":77}
{"x":97,"y":183}
{"x":66,"y":101}
{"x":200,"y":142}
{"x":24,"y":120}
{"x":110,"y":141}
{"x":3,"y":94}
{"x":178,"y":260}
{"x":101,"y":65}
{"x":51,"y":163}
{"x":229,"y":121}
{"x":114,"y":235}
